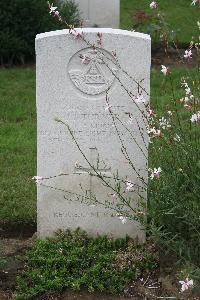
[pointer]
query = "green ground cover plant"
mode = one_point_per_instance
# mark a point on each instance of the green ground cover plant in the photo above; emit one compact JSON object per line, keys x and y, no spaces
{"x":73,"y":260}
{"x":179,"y":14}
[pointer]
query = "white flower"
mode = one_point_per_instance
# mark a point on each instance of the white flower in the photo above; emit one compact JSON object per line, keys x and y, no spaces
{"x":141,"y":213}
{"x":186,"y":284}
{"x":188,"y":54}
{"x":75,"y":33}
{"x":195,"y":117}
{"x":153,"y":132}
{"x":184,"y":83}
{"x":198,"y":24}
{"x":194,"y":2}
{"x":123,"y":219}
{"x":153,"y":5}
{"x":188,"y":91}
{"x":164,"y":123}
{"x":52,"y":9}
{"x":169,"y":112}
{"x":38,"y":179}
{"x":84,"y":58}
{"x":164,"y":70}
{"x":108,"y":107}
{"x":150,"y":113}
{"x":129,"y":186}
{"x":56,"y":13}
{"x":177,"y":138}
{"x":155,"y":173}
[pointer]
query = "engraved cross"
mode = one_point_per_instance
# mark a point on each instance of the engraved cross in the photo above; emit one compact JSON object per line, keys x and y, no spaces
{"x":94,"y":161}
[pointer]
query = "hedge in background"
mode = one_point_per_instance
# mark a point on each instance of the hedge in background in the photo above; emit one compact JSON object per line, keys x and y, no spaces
{"x":21,"y":20}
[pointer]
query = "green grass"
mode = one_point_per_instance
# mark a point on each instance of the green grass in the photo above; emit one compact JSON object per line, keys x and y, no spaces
{"x":179,"y":14}
{"x":18,"y":144}
{"x":18,"y":137}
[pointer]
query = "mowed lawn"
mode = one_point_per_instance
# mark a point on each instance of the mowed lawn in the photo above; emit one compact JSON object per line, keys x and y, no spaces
{"x":17,"y":144}
{"x":179,"y":14}
{"x":18,"y":136}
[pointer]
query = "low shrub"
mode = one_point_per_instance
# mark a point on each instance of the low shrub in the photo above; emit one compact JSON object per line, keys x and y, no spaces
{"x":75,"y":261}
{"x":21,"y":20}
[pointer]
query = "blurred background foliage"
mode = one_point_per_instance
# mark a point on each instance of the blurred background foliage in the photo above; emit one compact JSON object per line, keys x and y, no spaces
{"x":178,"y":17}
{"x":21,"y":20}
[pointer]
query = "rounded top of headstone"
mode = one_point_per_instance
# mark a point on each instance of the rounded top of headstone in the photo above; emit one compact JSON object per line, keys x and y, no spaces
{"x":94,"y":30}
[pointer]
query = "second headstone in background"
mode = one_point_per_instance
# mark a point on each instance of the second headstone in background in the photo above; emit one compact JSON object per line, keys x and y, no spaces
{"x":100,"y":13}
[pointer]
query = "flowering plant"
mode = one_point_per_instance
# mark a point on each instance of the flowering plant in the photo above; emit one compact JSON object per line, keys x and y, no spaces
{"x":172,"y":123}
{"x":154,"y":23}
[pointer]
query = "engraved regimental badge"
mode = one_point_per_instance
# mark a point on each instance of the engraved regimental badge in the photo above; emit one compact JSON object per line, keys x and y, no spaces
{"x":93,"y":71}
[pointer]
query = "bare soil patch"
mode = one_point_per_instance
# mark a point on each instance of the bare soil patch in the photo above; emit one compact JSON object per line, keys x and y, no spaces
{"x":173,"y":58}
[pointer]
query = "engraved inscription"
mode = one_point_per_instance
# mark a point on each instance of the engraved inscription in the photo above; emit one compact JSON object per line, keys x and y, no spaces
{"x":96,"y":74}
{"x":92,"y":126}
{"x":60,"y":215}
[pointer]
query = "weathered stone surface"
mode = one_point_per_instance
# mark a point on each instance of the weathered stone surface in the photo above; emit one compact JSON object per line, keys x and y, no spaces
{"x":75,"y":92}
{"x":100,"y":13}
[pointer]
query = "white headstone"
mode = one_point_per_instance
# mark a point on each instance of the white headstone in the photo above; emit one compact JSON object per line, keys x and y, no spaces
{"x":75,"y":92}
{"x":100,"y":13}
